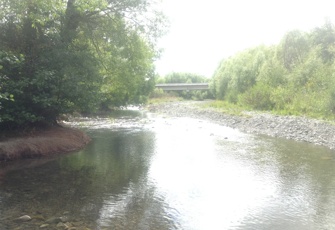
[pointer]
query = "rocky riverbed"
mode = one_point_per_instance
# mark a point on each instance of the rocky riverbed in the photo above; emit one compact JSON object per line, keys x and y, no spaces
{"x":297,"y":128}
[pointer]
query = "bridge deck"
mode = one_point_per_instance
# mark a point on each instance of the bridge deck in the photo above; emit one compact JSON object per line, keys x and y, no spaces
{"x":183,"y":86}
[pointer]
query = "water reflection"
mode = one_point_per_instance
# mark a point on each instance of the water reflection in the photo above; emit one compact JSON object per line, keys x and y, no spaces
{"x":176,"y":173}
{"x":209,"y":188}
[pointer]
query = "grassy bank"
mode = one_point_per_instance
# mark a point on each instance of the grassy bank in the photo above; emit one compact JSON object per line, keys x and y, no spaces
{"x":237,"y":109}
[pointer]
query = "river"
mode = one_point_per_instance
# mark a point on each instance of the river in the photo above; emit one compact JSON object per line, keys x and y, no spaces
{"x":144,"y":171}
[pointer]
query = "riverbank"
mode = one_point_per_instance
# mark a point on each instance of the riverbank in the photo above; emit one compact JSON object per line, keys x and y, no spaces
{"x":51,"y":141}
{"x":297,"y":128}
{"x":57,"y":140}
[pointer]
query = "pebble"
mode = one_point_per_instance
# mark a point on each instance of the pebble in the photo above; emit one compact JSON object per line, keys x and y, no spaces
{"x":53,"y":220}
{"x":24,"y":218}
{"x":62,"y":225}
{"x":44,"y":226}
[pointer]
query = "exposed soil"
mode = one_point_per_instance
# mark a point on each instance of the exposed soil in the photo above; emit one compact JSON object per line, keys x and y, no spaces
{"x":297,"y":128}
{"x":51,"y":141}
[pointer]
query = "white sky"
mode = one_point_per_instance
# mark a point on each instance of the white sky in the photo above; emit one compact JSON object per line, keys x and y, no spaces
{"x":203,"y":32}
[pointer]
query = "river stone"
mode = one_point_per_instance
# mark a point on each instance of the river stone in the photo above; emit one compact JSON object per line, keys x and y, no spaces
{"x":62,"y":225}
{"x":53,"y":220}
{"x":78,"y":223}
{"x":64,"y":219}
{"x":44,"y":226}
{"x":38,"y":217}
{"x":24,"y":218}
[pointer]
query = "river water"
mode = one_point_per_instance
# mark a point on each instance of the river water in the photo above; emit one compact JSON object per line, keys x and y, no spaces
{"x":154,"y":172}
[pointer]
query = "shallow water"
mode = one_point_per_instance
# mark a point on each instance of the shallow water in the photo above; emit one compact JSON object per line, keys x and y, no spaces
{"x":173,"y":173}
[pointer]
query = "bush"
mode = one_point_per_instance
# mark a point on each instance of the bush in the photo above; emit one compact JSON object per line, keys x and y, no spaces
{"x":232,"y":97}
{"x":258,"y":97}
{"x":282,"y":97}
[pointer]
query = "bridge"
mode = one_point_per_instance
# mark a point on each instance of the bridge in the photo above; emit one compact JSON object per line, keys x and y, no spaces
{"x":183,"y":86}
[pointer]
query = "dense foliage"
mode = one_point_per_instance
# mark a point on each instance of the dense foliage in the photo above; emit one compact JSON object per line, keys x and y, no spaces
{"x":73,"y":55}
{"x":295,"y":76}
{"x":178,"y":77}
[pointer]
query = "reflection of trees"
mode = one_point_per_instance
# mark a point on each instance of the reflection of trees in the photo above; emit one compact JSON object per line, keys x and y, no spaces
{"x":130,"y":201}
{"x":81,"y":184}
{"x":116,"y":158}
{"x":111,"y":163}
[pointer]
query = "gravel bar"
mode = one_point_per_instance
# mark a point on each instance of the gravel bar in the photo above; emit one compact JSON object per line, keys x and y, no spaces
{"x":297,"y":128}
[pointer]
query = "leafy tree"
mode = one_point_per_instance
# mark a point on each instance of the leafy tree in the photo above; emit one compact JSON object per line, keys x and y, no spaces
{"x":272,"y":72}
{"x":294,"y":76}
{"x":324,"y":38}
{"x":222,"y":79}
{"x":75,"y":55}
{"x":239,"y":73}
{"x":293,"y":49}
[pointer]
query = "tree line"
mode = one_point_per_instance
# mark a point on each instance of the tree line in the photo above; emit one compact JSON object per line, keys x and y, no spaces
{"x":295,"y":76}
{"x":62,"y":56}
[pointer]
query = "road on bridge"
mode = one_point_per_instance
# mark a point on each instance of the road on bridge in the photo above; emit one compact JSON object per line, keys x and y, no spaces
{"x":183,"y":86}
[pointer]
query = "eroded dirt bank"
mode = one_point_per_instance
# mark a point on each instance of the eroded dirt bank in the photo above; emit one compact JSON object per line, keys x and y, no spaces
{"x":291,"y":127}
{"x":52,"y":141}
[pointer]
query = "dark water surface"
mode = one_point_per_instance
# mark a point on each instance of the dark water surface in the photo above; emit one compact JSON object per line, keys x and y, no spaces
{"x":173,"y":173}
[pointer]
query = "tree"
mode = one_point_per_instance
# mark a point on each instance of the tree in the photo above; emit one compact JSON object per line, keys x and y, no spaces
{"x":294,"y":76}
{"x":324,"y":38}
{"x":177,"y":77}
{"x":239,"y":73}
{"x":75,"y":55}
{"x":293,"y":49}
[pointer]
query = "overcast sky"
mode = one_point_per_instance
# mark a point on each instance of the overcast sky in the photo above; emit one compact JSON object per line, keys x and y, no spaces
{"x":203,"y":32}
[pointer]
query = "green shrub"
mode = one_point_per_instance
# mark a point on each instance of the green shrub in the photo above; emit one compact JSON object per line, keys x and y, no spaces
{"x":232,"y":97}
{"x":282,"y":97}
{"x":258,"y":97}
